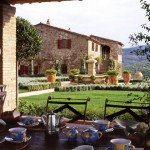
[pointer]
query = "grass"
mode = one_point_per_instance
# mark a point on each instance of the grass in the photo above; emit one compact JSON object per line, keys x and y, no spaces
{"x":95,"y":108}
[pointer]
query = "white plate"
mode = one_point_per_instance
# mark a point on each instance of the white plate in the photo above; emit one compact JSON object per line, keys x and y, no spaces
{"x":9,"y":139}
{"x":30,"y":125}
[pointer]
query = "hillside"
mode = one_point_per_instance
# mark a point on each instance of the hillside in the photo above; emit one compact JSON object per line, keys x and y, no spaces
{"x":135,"y":63}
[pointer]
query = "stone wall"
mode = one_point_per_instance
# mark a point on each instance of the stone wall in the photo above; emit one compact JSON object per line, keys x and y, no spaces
{"x":8,"y":54}
{"x":50,"y":52}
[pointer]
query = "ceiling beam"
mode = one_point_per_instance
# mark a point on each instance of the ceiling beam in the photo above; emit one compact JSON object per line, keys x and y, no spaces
{"x":32,"y":1}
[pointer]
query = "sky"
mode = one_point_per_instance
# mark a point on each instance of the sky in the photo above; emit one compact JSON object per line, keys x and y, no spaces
{"x":112,"y":19}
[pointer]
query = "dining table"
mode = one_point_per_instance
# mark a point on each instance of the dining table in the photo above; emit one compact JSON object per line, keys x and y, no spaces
{"x":39,"y":139}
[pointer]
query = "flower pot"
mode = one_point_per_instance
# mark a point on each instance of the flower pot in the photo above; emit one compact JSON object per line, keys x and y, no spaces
{"x":126,"y":77}
{"x":51,"y":78}
{"x":113,"y":79}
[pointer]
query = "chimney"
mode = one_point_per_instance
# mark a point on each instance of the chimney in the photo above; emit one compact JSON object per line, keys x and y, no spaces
{"x":48,"y":22}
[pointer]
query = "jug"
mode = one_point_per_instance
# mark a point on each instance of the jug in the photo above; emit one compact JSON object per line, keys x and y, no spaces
{"x":91,"y":136}
{"x":71,"y":133}
{"x":51,"y":121}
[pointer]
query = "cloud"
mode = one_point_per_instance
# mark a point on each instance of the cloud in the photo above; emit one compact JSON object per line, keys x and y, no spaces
{"x":115,"y":19}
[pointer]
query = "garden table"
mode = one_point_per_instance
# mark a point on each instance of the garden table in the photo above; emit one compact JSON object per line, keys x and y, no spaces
{"x":41,"y":141}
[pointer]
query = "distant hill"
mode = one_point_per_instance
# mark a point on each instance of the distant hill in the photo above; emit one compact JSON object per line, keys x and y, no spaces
{"x":135,"y":63}
{"x":127,"y":56}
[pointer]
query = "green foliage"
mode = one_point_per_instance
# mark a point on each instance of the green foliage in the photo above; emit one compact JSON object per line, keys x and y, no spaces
{"x":51,"y":71}
{"x":95,"y":108}
{"x":58,"y":67}
{"x":112,"y":72}
{"x":74,"y":71}
{"x":38,"y":86}
{"x":92,"y":77}
{"x":111,"y":64}
{"x":31,"y":108}
{"x":80,"y":77}
{"x":29,"y":41}
{"x":139,"y":37}
{"x":126,"y":71}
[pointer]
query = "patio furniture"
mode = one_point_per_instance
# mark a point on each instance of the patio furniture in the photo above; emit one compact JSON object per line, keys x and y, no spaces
{"x":127,"y":108}
{"x":40,"y":141}
{"x":2,"y":97}
{"x":67,"y":103}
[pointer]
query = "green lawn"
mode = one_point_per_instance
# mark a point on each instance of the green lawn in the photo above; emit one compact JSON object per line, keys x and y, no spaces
{"x":95,"y":108}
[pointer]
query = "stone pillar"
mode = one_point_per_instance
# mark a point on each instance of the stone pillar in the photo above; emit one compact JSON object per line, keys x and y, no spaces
{"x":91,"y":66}
{"x":8,"y":54}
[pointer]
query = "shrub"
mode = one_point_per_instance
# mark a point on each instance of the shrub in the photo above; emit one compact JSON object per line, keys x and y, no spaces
{"x":126,"y":71}
{"x":112,"y":72}
{"x":74,"y":71}
{"x":51,"y":71}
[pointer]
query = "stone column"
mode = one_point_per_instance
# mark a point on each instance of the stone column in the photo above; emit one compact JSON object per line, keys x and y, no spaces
{"x":8,"y":54}
{"x":91,"y":66}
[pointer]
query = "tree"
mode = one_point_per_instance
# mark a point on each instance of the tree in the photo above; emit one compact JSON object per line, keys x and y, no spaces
{"x":29,"y":41}
{"x":139,"y":37}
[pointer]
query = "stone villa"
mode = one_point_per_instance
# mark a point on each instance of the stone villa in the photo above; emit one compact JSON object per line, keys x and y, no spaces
{"x":69,"y":48}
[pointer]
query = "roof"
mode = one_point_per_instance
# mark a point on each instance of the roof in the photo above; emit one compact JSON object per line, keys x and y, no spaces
{"x":31,"y":1}
{"x":60,"y":29}
{"x":91,"y":37}
{"x":101,"y":38}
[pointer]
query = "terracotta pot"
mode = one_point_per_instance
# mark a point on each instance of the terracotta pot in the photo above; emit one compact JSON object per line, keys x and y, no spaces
{"x":113,"y":79}
{"x":138,"y":74}
{"x":126,"y":77}
{"x":51,"y":78}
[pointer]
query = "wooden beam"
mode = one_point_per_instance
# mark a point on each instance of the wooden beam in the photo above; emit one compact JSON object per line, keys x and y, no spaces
{"x":32,"y":1}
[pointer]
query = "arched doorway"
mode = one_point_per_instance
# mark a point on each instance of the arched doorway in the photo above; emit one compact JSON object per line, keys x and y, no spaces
{"x":105,"y":52}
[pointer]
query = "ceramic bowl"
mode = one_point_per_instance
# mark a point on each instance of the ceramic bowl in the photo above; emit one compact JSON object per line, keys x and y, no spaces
{"x":28,"y":120}
{"x":18,"y":133}
{"x":101,"y":125}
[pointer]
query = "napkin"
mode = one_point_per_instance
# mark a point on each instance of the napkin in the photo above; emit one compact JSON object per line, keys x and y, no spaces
{"x":84,"y":147}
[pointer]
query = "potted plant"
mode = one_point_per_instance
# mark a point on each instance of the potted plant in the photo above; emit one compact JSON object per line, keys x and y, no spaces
{"x":73,"y":76}
{"x":126,"y":74}
{"x":92,"y":77}
{"x":113,"y":76}
{"x":80,"y":77}
{"x":51,"y":75}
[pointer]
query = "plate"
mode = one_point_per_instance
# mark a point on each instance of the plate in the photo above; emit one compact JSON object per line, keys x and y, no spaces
{"x":9,"y":139}
{"x":30,"y":125}
{"x":2,"y":139}
{"x":124,"y":123}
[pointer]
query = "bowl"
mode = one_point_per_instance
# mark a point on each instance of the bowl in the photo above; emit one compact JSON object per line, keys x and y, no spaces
{"x":28,"y":119}
{"x":18,"y":133}
{"x":101,"y":125}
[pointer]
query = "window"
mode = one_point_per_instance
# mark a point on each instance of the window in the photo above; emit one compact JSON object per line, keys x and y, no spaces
{"x":64,"y":44}
{"x":96,"y":48}
{"x":92,"y":46}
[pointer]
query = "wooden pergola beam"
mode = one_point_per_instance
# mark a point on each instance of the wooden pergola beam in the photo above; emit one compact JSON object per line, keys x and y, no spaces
{"x":32,"y":1}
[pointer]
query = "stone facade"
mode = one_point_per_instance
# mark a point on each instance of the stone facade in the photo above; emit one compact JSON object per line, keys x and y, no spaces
{"x":70,"y":57}
{"x":82,"y":46}
{"x":8,"y":54}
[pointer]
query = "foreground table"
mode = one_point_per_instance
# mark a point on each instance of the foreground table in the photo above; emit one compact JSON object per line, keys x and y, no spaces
{"x":41,"y":141}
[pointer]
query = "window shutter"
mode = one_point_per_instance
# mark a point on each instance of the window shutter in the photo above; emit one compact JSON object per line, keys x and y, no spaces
{"x":69,"y":43}
{"x":58,"y":43}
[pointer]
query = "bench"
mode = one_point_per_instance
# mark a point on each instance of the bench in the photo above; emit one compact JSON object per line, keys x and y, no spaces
{"x":67,"y":103}
{"x":127,"y":108}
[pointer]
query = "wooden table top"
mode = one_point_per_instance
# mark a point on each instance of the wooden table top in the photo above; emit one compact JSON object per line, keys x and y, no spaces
{"x":41,"y":141}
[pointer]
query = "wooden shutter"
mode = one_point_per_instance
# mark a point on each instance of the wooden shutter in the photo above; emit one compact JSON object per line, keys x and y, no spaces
{"x":69,"y":43}
{"x":58,"y":43}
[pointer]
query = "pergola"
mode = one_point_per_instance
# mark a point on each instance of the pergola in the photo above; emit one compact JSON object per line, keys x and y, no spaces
{"x":8,"y":65}
{"x":31,"y":1}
